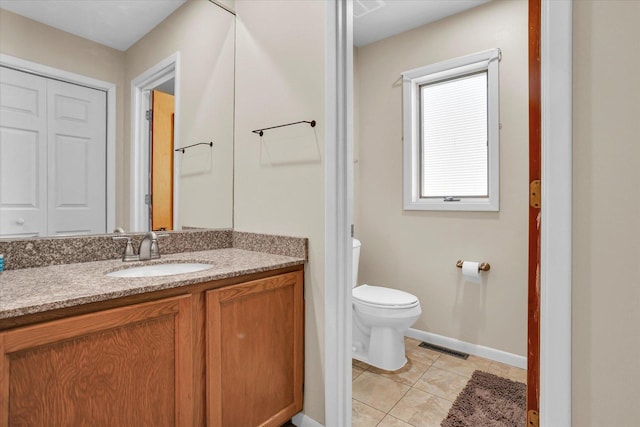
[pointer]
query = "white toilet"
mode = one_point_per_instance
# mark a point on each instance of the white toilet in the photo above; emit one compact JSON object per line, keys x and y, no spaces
{"x":380,"y":318}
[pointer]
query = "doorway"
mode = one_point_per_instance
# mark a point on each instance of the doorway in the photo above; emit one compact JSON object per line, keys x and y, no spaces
{"x":416,"y":251}
{"x":555,"y":274}
{"x":154,"y":136}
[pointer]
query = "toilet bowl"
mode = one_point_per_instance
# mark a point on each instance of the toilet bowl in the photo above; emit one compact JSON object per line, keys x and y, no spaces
{"x":381,"y":316}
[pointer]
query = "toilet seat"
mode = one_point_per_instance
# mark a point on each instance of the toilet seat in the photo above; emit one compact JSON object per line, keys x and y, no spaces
{"x":381,"y":297}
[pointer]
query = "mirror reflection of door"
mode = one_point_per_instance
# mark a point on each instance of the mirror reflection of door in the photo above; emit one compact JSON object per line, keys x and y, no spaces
{"x":161,"y":175}
{"x":52,"y":156}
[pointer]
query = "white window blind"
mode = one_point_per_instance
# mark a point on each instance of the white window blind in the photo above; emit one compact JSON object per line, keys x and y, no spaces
{"x":454,"y":137}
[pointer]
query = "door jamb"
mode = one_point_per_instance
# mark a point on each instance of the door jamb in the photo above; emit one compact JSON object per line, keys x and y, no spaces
{"x":556,"y":235}
{"x":79,"y":79}
{"x":338,"y":211}
{"x":161,"y":72}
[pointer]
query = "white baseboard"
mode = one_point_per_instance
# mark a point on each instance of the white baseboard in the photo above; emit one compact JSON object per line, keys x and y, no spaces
{"x":301,"y":420}
{"x":465,"y":347}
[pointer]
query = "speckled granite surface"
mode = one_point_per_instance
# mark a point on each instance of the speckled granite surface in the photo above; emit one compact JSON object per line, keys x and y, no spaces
{"x":47,"y":251}
{"x":280,"y":245}
{"x":34,"y":290}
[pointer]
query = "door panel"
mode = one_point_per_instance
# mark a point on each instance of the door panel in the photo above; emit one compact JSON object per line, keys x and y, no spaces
{"x":23,"y":154}
{"x":162,"y":161}
{"x":77,"y":159}
{"x":72,"y":157}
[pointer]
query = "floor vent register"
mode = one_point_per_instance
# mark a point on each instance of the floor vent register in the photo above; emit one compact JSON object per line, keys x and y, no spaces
{"x":444,"y":350}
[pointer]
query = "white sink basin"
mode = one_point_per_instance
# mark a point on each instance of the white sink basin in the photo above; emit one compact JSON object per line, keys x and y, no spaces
{"x":155,"y":270}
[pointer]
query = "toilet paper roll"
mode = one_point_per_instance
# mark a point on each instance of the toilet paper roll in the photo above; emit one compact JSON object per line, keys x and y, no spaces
{"x":471,"y":270}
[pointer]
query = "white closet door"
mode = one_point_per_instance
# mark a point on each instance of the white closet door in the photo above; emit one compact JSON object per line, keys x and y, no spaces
{"x":23,"y":154}
{"x":77,"y":159}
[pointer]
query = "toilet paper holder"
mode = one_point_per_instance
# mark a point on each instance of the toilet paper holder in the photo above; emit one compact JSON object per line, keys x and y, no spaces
{"x":484,"y":266}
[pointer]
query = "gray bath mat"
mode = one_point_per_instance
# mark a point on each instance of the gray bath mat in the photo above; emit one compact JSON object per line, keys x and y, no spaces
{"x":489,"y":401}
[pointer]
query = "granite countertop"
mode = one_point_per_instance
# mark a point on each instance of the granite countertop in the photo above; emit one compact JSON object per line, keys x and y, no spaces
{"x":35,"y":290}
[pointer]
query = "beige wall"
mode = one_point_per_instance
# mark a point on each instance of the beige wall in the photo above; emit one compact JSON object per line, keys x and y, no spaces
{"x":231,"y":4}
{"x":203,"y":33}
{"x":30,"y":40}
{"x":279,"y":179}
{"x":606,"y":210}
{"x":417,"y":251}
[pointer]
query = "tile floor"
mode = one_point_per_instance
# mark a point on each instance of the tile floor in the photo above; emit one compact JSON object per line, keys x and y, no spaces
{"x":421,"y":393}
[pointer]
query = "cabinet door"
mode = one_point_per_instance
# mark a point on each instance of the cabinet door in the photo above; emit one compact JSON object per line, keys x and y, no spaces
{"x":130,"y":366}
{"x":255,"y":352}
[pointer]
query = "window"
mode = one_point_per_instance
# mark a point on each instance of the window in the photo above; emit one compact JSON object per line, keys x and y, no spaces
{"x":451,"y":134}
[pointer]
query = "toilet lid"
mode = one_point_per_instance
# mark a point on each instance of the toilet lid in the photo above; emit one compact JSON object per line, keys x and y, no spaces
{"x":383,"y":297}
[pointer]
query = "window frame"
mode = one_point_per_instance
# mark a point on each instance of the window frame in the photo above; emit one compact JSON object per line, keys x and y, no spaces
{"x":412,"y":81}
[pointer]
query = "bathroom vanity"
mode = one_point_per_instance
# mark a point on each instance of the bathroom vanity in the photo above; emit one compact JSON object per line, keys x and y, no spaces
{"x":219,"y":347}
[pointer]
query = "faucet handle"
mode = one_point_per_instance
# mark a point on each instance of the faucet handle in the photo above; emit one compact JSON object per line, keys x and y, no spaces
{"x":155,"y":249}
{"x":129,"y":253}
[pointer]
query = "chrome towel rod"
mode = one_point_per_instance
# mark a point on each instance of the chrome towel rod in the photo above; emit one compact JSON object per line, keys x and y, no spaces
{"x":484,"y":266}
{"x":261,"y":131}
{"x":210,"y":144}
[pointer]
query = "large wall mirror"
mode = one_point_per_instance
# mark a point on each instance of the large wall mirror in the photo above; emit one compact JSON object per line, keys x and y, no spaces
{"x":79,"y":151}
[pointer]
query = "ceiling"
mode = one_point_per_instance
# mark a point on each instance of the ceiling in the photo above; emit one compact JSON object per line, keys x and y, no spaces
{"x":375,"y":20}
{"x":114,"y":23}
{"x":121,"y":23}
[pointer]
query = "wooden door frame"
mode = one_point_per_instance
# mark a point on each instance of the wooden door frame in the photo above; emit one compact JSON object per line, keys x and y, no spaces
{"x":535,"y":172}
{"x":550,"y":142}
{"x":555,"y":247}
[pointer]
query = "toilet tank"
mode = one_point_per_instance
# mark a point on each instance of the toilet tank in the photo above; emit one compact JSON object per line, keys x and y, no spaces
{"x":356,"y":260}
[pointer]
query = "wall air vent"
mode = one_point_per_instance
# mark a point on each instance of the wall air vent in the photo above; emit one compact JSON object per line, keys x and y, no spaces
{"x":364,"y":7}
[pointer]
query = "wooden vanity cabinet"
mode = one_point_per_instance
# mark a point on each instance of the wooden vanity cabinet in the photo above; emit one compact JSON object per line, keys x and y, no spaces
{"x":220,"y":354}
{"x":254,"y":352}
{"x":128,"y":366}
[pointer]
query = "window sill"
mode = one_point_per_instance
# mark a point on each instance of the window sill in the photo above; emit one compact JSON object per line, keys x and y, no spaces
{"x":468,"y":204}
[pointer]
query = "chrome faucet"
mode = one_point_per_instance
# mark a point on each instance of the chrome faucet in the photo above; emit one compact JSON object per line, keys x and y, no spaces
{"x":148,"y":247}
{"x":147,"y":250}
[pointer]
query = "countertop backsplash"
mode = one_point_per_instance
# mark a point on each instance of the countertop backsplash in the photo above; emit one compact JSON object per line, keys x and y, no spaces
{"x":47,"y":251}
